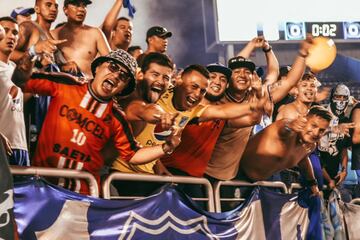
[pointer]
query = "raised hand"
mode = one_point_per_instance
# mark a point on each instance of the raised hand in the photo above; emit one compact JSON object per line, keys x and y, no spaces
{"x":344,"y":128}
{"x":298,"y":124}
{"x":48,"y":46}
{"x":305,"y":45}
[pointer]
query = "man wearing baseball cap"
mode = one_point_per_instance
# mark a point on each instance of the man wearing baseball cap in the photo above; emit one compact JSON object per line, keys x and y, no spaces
{"x":84,"y":42}
{"x":157,"y":39}
{"x":81,"y":118}
{"x":22,"y":14}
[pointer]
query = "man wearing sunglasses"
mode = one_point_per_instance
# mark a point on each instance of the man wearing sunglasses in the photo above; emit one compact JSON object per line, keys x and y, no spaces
{"x":81,"y":118}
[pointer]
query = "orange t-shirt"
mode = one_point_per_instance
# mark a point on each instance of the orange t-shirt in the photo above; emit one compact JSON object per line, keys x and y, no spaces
{"x":76,"y":128}
{"x":197,"y":144}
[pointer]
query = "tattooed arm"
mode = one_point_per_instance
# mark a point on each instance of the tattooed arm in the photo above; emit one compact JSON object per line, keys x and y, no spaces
{"x":23,"y":70}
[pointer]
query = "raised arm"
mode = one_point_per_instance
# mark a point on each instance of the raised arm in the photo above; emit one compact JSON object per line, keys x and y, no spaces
{"x":356,"y":119}
{"x":102,"y":44}
{"x":28,"y":36}
{"x":23,"y":70}
{"x":272,"y":72}
{"x":256,"y":42}
{"x":110,"y":19}
{"x":281,"y":88}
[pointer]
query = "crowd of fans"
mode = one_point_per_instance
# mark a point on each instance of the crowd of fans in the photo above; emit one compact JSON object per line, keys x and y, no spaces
{"x":81,"y":97}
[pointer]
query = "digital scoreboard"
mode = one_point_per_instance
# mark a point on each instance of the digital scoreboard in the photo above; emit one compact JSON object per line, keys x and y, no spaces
{"x":334,"y":30}
{"x":286,"y":21}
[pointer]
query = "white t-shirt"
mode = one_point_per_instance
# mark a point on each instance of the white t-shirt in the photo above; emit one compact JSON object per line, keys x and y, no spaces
{"x":12,"y":123}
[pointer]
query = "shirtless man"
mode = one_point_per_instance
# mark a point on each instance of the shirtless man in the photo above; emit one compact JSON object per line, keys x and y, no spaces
{"x":35,"y":35}
{"x":83,"y":42}
{"x":118,"y":31}
{"x":284,"y":144}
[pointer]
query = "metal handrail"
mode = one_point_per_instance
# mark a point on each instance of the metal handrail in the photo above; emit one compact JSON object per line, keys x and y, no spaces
{"x":218,"y":185}
{"x":57,"y":172}
{"x":355,"y":201}
{"x":155,"y":178}
{"x":294,"y":186}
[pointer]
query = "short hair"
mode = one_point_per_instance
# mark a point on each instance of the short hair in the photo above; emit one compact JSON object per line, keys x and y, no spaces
{"x":132,"y":49}
{"x":308,"y":76}
{"x":320,"y":111}
{"x":158,"y":58}
{"x":197,"y":68}
{"x":123,"y":18}
{"x":119,"y":19}
{"x":8,"y":19}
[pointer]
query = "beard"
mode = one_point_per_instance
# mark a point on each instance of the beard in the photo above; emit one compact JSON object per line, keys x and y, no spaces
{"x":147,"y":94}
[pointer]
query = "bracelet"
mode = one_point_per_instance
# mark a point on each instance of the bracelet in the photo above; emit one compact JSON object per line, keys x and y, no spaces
{"x":267,"y":50}
{"x":287,"y":128}
{"x":312,"y":182}
{"x":32,"y":52}
{"x":167,"y":152}
{"x":302,"y":54}
{"x":343,"y":169}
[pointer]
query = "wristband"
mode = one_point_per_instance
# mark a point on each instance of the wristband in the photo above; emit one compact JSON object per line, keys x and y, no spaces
{"x":312,"y":182}
{"x":167,"y":152}
{"x":267,"y":50}
{"x":343,"y":169}
{"x":32,"y":52}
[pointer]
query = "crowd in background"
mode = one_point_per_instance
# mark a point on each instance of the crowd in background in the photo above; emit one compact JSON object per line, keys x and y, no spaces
{"x":82,"y":97}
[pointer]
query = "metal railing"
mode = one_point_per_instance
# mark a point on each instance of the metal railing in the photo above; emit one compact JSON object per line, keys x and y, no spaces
{"x":217,"y":186}
{"x":294,"y":186}
{"x":57,"y":172}
{"x":155,"y":178}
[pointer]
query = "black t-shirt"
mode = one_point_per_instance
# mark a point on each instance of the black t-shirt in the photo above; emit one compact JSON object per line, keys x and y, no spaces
{"x":355,"y":160}
{"x":330,"y":156}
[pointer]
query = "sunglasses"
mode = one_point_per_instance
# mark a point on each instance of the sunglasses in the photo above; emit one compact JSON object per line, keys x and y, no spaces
{"x":116,"y":68}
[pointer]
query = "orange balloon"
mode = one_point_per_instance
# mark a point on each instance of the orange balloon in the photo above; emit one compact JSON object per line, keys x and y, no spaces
{"x":322,"y":53}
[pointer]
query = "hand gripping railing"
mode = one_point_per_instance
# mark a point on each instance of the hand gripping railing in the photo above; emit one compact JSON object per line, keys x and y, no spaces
{"x":234,"y":183}
{"x":57,"y":172}
{"x":294,"y":186}
{"x":155,"y":178}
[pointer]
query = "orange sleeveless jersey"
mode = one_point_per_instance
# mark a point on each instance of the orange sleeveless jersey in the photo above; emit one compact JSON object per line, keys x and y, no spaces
{"x":194,"y":152}
{"x":76,"y":128}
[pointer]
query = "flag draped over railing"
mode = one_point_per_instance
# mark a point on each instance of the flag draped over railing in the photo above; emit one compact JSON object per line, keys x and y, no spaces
{"x":7,"y":222}
{"x":44,"y":211}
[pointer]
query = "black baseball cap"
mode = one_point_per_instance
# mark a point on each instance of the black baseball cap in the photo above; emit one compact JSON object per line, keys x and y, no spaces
{"x":241,"y":62}
{"x":283,"y":71}
{"x":87,"y":2}
{"x":158,"y":31}
{"x":218,"y":67}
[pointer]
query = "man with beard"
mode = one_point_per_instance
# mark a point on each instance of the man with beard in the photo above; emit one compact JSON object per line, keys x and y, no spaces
{"x":118,"y":31}
{"x":334,"y":144}
{"x":284,"y":144}
{"x":81,"y":118}
{"x":180,"y":105}
{"x":84,"y":42}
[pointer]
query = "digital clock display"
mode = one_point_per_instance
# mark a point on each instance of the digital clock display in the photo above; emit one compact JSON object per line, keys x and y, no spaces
{"x":329,"y":29}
